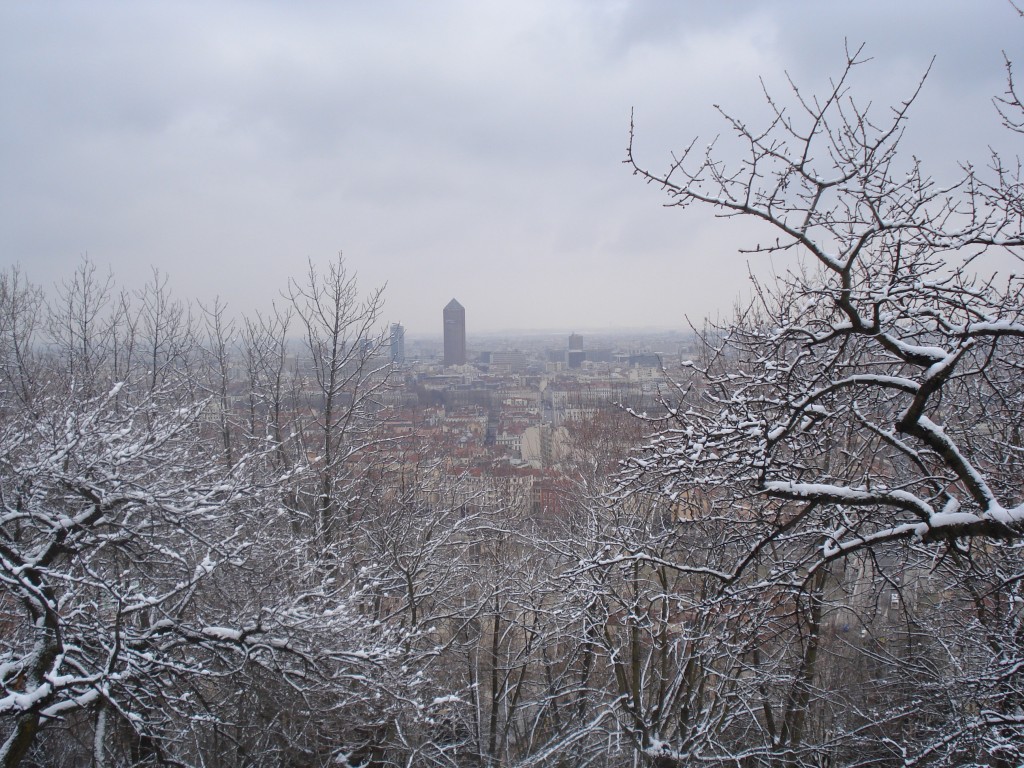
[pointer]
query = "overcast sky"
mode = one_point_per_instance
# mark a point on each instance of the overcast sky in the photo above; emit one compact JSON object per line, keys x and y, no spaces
{"x":464,"y":149}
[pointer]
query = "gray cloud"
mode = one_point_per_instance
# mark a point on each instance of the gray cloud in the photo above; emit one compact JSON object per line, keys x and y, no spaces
{"x":450,"y":149}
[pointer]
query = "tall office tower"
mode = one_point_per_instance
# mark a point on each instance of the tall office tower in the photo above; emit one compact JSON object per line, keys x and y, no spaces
{"x":575,"y":355}
{"x":454,"y":334}
{"x":397,"y":344}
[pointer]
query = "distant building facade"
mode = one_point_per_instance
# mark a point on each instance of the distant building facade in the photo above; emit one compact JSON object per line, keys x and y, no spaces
{"x":397,"y":344}
{"x":508,"y":361}
{"x":575,"y":355}
{"x":454,"y":334}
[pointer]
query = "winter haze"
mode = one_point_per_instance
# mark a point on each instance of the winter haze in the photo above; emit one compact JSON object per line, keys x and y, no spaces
{"x":449,"y":149}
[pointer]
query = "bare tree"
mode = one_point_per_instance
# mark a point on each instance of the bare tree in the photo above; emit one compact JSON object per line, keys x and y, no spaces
{"x":21,"y":319}
{"x":862,"y":416}
{"x":342,"y":340}
{"x":218,"y":356}
{"x":270,"y":383}
{"x":157,"y":606}
{"x":166,"y":333}
{"x":79,"y":327}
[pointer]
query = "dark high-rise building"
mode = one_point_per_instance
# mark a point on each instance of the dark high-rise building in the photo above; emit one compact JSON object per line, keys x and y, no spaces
{"x":397,"y":344}
{"x":575,"y":355}
{"x":454,"y":334}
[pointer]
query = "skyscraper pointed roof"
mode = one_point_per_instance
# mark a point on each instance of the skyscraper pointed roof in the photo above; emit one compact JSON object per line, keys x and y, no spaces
{"x":453,"y":304}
